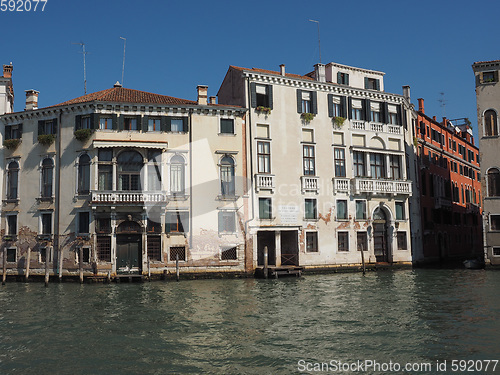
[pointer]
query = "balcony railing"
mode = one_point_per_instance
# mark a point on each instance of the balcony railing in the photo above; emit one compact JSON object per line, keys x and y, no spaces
{"x":309,"y":183}
{"x":128,"y":197}
{"x":264,"y":182}
{"x":362,"y":185}
{"x":473,"y":207}
{"x":375,"y":127}
{"x":341,"y":185}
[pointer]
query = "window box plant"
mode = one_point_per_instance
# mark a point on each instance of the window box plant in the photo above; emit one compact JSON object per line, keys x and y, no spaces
{"x":307,"y":117}
{"x":338,"y":121}
{"x":11,"y":144}
{"x":46,"y":139}
{"x":263,"y":109}
{"x":83,"y":134}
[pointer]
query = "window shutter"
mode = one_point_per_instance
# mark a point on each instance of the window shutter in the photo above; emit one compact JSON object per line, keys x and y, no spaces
{"x":166,"y":123}
{"x":346,"y":79}
{"x":221,"y":221}
{"x":8,"y":132}
{"x":78,"y":122}
{"x":185,"y":221}
{"x":269,"y":91}
{"x":384,"y":108}
{"x":168,"y":220}
{"x":54,"y":127}
{"x":495,"y":73}
{"x":40,"y":127}
{"x":377,"y":84}
{"x":343,"y":106}
{"x":349,"y":108}
{"x":478,"y":79}
{"x":120,"y":123}
{"x":314,"y":102}
{"x":404,"y":118}
{"x":185,"y":127}
{"x":94,"y":121}
{"x":367,"y":110}
{"x":339,"y":78}
{"x":114,"y":121}
{"x":299,"y":101}
{"x":330,"y":105}
{"x":253,"y":95}
{"x":139,"y":122}
{"x":399,"y":120}
{"x":366,"y":82}
{"x":145,"y":123}
{"x":20,"y":130}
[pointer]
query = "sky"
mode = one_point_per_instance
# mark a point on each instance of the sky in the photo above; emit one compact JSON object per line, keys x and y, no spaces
{"x":173,"y":46}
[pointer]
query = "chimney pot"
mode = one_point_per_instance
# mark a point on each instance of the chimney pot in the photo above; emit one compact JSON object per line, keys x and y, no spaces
{"x":7,"y":70}
{"x":282,"y":69}
{"x":213,"y":100}
{"x":31,"y":100}
{"x":117,"y":84}
{"x":406,"y":92}
{"x":202,"y":94}
{"x":319,"y":72}
{"x":421,"y":105}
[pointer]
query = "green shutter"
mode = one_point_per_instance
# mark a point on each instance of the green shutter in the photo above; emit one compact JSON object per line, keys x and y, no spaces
{"x":185,"y":221}
{"x":8,"y":132}
{"x":54,"y":127}
{"x":367,"y":110}
{"x":400,"y":117}
{"x":168,"y":220}
{"x":121,"y":125}
{"x":78,"y":122}
{"x":299,"y":101}
{"x":339,"y":78}
{"x":314,"y":102}
{"x":330,"y":105}
{"x":185,"y":127}
{"x":349,"y":108}
{"x":20,"y":130}
{"x":114,"y":122}
{"x":366,"y":82}
{"x":94,"y":121}
{"x":403,"y":112}
{"x":384,"y":112}
{"x":347,"y":79}
{"x":343,"y":106}
{"x":269,"y":91}
{"x":168,"y":124}
{"x":145,"y":123}
{"x":377,"y":84}
{"x":139,"y":122}
{"x":253,"y":95}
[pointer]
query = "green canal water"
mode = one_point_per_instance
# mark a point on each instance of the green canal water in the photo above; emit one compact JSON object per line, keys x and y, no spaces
{"x":252,"y":326}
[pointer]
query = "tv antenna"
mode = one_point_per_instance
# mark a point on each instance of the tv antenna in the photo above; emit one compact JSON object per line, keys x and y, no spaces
{"x":123,"y":66}
{"x":442,"y":103}
{"x":319,"y":40}
{"x":84,"y":66}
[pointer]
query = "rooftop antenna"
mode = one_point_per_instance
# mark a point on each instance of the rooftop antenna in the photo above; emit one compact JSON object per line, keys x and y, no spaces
{"x":123,"y":66}
{"x":319,"y":40}
{"x":442,"y":103}
{"x":84,"y":66}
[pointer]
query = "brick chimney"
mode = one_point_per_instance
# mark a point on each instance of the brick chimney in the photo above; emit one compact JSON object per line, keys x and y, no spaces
{"x":421,"y":105}
{"x":319,"y":72}
{"x":213,"y":100}
{"x":202,"y":94}
{"x":406,"y":93}
{"x":282,"y":69}
{"x":31,"y":100}
{"x":7,"y":71}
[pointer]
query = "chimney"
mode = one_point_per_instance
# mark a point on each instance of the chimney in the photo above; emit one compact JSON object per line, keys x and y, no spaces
{"x":117,"y":84}
{"x":213,"y":100}
{"x":282,"y":69}
{"x":7,"y":71}
{"x":31,"y":100}
{"x":202,"y":94}
{"x":434,"y":118}
{"x":319,"y":72}
{"x":421,"y":105}
{"x":406,"y":93}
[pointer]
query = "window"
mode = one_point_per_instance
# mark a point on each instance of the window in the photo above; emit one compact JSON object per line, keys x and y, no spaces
{"x":227,"y":222}
{"x":493,"y":182}
{"x":337,"y":106}
{"x":12,"y":180}
{"x":375,"y":112}
{"x":46,"y":219}
{"x":106,"y":123}
{"x":12,"y":225}
{"x":13,"y":131}
{"x":85,"y":254}
{"x":342,"y":78}
{"x":312,"y":242}
{"x":226,"y":126}
{"x":263,"y":157}
{"x":129,"y":170}
{"x":494,"y":222}
{"x":103,"y":225}
{"x":47,"y":174}
{"x":488,"y":77}
{"x":85,"y":122}
{"x":265,"y":208}
{"x":154,"y":170}
{"x":104,"y":248}
{"x":105,"y":170}
{"x":154,"y":124}
{"x":177,"y":222}
{"x":339,"y":154}
{"x":306,"y":102}
{"x":341,"y":210}
{"x":177,"y":252}
{"x":130,"y":123}
{"x":377,"y":165}
{"x":309,"y":160}
{"x":310,"y":209}
{"x":362,"y":241}
{"x":261,"y":95}
{"x":496,"y":251}
{"x":394,"y":118}
{"x":360,"y":210}
{"x":229,"y":253}
{"x":395,"y":164}
{"x":359,"y":163}
{"x":343,"y":241}
{"x":227,"y":176}
{"x":357,"y":109}
{"x":372,"y":84}
{"x":84,"y":174}
{"x":400,"y":211}
{"x":46,"y":127}
{"x":154,"y":247}
{"x":177,"y":175}
{"x":402,"y":243}
{"x":490,"y":123}
{"x":83,"y":222}
{"x":12,"y":254}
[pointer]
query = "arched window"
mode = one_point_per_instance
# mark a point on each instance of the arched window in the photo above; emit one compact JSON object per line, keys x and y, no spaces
{"x":490,"y":123}
{"x":227,"y":176}
{"x":84,"y":174}
{"x":494,"y":183}
{"x":12,"y":179}
{"x":47,"y":176}
{"x":177,"y":175}
{"x":129,"y":170}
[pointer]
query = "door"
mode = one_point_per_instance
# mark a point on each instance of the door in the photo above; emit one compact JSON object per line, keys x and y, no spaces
{"x":380,"y":242}
{"x":128,"y":253}
{"x":289,"y":248}
{"x":266,"y":238}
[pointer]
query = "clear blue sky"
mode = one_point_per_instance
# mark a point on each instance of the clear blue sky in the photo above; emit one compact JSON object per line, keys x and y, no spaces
{"x":172,"y":46}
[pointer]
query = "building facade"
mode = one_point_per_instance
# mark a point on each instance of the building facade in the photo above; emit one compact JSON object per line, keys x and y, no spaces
{"x":488,"y":107}
{"x":449,"y":189}
{"x":124,"y":182}
{"x":327,"y":154}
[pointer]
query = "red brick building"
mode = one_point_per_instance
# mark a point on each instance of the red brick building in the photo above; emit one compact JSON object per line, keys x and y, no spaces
{"x":450,"y":189}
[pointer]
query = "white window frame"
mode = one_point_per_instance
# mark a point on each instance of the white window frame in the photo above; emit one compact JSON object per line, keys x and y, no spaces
{"x":40,"y":190}
{"x":317,"y":242}
{"x":356,"y":209}
{"x":404,"y":210}
{"x":493,"y":251}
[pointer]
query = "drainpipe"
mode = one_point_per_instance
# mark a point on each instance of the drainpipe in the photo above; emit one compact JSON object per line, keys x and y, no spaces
{"x":190,"y":135}
{"x":58,"y":198}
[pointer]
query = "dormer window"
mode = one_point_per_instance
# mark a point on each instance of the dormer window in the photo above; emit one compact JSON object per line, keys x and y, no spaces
{"x":372,"y":84}
{"x":342,"y":78}
{"x":261,"y":95}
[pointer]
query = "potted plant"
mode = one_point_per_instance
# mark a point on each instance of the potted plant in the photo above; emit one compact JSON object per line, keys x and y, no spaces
{"x":46,"y":139}
{"x":11,"y":144}
{"x":307,"y":117}
{"x":263,"y":109}
{"x":338,"y":121}
{"x":83,"y":134}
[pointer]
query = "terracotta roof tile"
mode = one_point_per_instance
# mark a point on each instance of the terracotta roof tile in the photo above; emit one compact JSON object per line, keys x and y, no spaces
{"x":257,"y":70}
{"x":485,"y":62}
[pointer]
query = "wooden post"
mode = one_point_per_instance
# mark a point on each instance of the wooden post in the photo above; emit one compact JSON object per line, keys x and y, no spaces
{"x":149,"y":269}
{"x":60,"y":265}
{"x":363,"y":259}
{"x":177,"y":266}
{"x":109,"y":277}
{"x":46,"y":266}
{"x":28,"y":258}
{"x":80,"y":263}
{"x":4,"y":275}
{"x":265,"y":262}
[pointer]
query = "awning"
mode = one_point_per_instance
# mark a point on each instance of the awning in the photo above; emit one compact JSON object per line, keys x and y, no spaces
{"x":124,"y":143}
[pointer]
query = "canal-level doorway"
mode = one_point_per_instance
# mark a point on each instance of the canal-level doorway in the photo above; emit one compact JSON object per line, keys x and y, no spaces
{"x":380,"y":235}
{"x":129,"y":248}
{"x":282,"y":247}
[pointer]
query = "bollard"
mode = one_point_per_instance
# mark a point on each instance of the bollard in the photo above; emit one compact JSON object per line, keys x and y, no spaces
{"x":28,"y":258}
{"x":265,"y":262}
{"x":177,"y":266}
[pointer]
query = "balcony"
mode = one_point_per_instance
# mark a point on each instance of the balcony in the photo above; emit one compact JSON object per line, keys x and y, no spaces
{"x":363,"y":185}
{"x":375,"y":127}
{"x":473,"y":207}
{"x":264,"y":182}
{"x":128,"y":197}
{"x":309,"y":183}
{"x":341,"y":185}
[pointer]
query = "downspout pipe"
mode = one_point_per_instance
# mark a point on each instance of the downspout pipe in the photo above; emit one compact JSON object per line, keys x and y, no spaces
{"x":57,"y":217}
{"x":249,"y":127}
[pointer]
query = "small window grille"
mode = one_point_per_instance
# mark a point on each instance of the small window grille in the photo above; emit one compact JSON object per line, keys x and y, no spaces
{"x":154,"y":248}
{"x":229,"y":253}
{"x":104,"y":248}
{"x":177,"y":250}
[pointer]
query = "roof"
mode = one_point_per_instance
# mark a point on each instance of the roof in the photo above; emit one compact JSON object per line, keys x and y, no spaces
{"x":257,"y":70}
{"x":487,"y":62}
{"x":123,"y":95}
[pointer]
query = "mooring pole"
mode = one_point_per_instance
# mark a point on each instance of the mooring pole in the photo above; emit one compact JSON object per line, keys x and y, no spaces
{"x":177,"y":266}
{"x":109,"y":277}
{"x":4,"y":275}
{"x":60,"y":264}
{"x":149,"y":269}
{"x":28,"y":257}
{"x":265,"y":262}
{"x":80,"y":263}
{"x":46,"y":266}
{"x":363,"y":259}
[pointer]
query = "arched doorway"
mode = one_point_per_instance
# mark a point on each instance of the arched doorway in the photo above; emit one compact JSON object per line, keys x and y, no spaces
{"x":380,"y":245}
{"x":128,"y":247}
